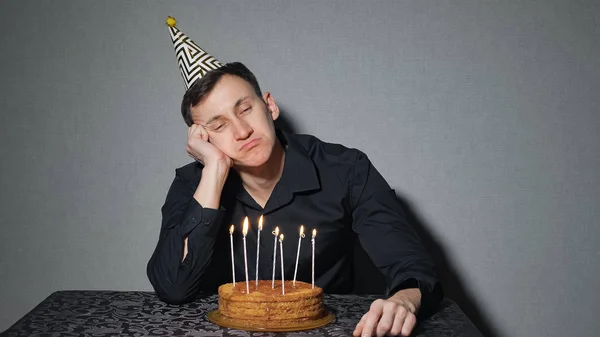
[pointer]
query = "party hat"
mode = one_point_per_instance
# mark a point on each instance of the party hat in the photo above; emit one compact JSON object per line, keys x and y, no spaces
{"x":193,"y":61}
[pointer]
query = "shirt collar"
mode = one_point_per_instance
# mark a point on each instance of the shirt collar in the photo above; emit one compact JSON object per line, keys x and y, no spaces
{"x":299,"y":172}
{"x":299,"y":175}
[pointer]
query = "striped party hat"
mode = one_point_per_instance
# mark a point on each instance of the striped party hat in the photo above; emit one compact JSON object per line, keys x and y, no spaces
{"x":193,"y":61}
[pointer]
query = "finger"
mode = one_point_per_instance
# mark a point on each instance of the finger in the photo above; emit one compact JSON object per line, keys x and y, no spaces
{"x":370,"y":323}
{"x":372,"y":318}
{"x":387,"y":318}
{"x":191,"y":129}
{"x":359,"y":326}
{"x":409,"y":324}
{"x":203,"y":134}
{"x":200,"y":132}
{"x":196,"y":130}
{"x":399,"y":320}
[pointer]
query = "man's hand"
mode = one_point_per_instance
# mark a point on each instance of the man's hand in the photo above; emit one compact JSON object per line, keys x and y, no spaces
{"x":395,"y":316}
{"x":199,"y":148}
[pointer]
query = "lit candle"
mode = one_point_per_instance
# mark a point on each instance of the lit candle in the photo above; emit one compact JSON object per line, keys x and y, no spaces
{"x":313,"y":257}
{"x":298,"y":253}
{"x":232,"y":263}
{"x":260,"y":223}
{"x":245,"y":231}
{"x":276,"y":233}
{"x":281,"y":250}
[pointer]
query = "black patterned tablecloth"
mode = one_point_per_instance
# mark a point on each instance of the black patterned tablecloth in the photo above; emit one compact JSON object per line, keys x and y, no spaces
{"x":135,"y":313}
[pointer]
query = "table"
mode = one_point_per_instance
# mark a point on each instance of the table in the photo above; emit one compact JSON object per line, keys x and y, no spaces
{"x":137,"y":313}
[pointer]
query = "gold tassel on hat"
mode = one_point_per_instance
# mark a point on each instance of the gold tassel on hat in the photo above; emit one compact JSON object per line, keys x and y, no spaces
{"x":171,"y":22}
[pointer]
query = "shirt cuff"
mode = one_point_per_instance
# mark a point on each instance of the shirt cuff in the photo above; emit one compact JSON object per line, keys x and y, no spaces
{"x":203,"y":221}
{"x":430,"y":296}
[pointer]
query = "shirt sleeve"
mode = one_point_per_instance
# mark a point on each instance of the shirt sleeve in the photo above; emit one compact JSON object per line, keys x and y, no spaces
{"x":387,"y":237}
{"x":175,"y":280}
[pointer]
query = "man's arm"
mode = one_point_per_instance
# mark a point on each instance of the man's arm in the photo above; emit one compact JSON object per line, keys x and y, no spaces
{"x":209,"y":191}
{"x":185,"y":245}
{"x":191,"y":220}
{"x":395,"y":249}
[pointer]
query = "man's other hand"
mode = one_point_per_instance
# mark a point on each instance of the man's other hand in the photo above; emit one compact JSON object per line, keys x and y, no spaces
{"x":395,"y":316}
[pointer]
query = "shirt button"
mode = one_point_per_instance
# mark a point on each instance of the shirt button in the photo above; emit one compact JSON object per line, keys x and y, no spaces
{"x":206,"y":222}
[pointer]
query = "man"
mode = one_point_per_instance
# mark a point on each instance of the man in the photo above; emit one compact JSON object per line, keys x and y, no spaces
{"x":245,"y":167}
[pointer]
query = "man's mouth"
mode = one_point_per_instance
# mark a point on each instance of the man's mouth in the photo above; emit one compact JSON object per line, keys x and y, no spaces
{"x":250,"y":144}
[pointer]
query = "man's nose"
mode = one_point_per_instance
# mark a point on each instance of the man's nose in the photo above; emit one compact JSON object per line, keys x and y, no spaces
{"x":242,"y":130}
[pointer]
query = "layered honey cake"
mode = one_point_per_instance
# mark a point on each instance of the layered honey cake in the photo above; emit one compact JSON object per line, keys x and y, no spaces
{"x":266,"y":307}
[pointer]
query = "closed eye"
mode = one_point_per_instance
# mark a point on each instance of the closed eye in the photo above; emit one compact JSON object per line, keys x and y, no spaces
{"x":218,"y":127}
{"x":245,"y":111}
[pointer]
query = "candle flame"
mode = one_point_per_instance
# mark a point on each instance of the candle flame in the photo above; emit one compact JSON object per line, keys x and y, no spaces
{"x":314,"y":233}
{"x":231,"y":230}
{"x":260,"y":221}
{"x":301,"y":230}
{"x":276,"y":231}
{"x":245,"y":228}
{"x":280,"y":237}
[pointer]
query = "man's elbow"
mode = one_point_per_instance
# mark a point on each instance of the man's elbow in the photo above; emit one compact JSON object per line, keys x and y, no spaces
{"x":168,"y":292}
{"x":174,"y":296}
{"x":173,"y":293}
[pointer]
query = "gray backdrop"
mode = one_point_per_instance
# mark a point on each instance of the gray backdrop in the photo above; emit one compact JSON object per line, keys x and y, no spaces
{"x":482,"y":115}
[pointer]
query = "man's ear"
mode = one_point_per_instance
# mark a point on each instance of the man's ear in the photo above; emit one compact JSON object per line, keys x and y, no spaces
{"x":271,"y":105}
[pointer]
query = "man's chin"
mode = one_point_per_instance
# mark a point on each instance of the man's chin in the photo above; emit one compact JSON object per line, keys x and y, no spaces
{"x":255,"y":162}
{"x":255,"y":158}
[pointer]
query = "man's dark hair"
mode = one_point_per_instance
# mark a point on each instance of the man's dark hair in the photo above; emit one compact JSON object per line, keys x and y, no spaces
{"x":203,"y":86}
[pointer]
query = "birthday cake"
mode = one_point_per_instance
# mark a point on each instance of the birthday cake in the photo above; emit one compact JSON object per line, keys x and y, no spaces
{"x":267,"y":307}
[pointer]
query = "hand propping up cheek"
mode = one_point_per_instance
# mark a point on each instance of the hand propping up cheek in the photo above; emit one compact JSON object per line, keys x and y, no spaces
{"x":199,"y":148}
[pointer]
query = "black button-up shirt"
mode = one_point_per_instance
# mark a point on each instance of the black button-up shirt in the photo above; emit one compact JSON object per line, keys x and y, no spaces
{"x":324,"y":186}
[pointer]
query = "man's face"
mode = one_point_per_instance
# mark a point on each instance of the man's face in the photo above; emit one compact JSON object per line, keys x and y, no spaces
{"x":239,"y":122}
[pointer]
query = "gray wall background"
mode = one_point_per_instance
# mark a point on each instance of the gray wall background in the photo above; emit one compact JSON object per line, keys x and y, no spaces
{"x":483,"y":115}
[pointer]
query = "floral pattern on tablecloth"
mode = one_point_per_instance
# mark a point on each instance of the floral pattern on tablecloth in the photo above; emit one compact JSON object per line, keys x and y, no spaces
{"x":134,"y":313}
